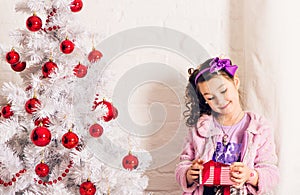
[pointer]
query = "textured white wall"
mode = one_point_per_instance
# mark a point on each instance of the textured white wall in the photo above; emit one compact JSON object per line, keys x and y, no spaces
{"x":261,"y":37}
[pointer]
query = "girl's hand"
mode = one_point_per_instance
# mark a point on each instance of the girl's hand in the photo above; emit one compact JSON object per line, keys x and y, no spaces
{"x":192,"y":175}
{"x":241,"y":174}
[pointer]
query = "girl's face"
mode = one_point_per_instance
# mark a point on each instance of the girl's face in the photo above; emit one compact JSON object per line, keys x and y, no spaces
{"x":221,"y":94}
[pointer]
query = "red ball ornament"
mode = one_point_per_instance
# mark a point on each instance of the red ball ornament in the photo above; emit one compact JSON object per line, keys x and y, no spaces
{"x":94,"y":56}
{"x":42,"y":169}
{"x":12,"y":57}
{"x":40,"y":136}
{"x":42,"y":122}
{"x":76,"y":5}
{"x":87,"y":188}
{"x":6,"y":111}
{"x":130,"y":162}
{"x":49,"y":68}
{"x":19,"y":66}
{"x":96,"y":130}
{"x":34,"y":23}
{"x":69,"y":140}
{"x":110,"y":110}
{"x":115,"y":112}
{"x":67,"y":46}
{"x":32,"y":105}
{"x":80,"y":70}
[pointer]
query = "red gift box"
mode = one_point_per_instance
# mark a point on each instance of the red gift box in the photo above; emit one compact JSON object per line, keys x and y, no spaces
{"x":214,"y":174}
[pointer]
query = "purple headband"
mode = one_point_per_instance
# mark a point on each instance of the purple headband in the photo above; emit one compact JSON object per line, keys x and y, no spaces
{"x":218,"y":64}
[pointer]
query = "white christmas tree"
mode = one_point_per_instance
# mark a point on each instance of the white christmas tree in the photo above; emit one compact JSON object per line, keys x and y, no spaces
{"x":58,"y":134}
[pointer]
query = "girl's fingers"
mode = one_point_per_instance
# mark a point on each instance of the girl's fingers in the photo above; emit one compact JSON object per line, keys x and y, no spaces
{"x":197,"y":167}
{"x":194,"y":177}
{"x":194,"y":172}
{"x":237,"y":175}
{"x":237,"y":164}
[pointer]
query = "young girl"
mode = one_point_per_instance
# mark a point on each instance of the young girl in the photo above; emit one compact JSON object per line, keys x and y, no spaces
{"x":220,"y":130}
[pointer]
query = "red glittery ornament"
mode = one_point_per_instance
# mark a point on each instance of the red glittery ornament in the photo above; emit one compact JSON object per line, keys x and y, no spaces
{"x":87,"y":188}
{"x":110,"y":110}
{"x":49,"y":68}
{"x":67,"y":46}
{"x":34,"y":23}
{"x":42,"y":122}
{"x":40,"y":136}
{"x":42,"y":169}
{"x":94,"y":56}
{"x":96,"y":130}
{"x":32,"y":105}
{"x":80,"y":70}
{"x":6,"y":111}
{"x":130,"y":162}
{"x":76,"y":5}
{"x":19,"y":66}
{"x":12,"y":57}
{"x":69,"y":140}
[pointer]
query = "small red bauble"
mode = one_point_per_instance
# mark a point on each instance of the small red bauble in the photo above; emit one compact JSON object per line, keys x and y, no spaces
{"x":42,"y":169}
{"x":110,"y":110}
{"x":42,"y":122}
{"x":12,"y":57}
{"x":94,"y":56}
{"x":130,"y":162}
{"x":34,"y":23}
{"x":6,"y":111}
{"x":69,"y":140}
{"x":32,"y":105}
{"x":87,"y":188}
{"x":76,"y":5}
{"x":49,"y":68}
{"x":19,"y":66}
{"x":115,"y":112}
{"x":96,"y":130}
{"x":67,"y":46}
{"x":80,"y":70}
{"x":40,"y":136}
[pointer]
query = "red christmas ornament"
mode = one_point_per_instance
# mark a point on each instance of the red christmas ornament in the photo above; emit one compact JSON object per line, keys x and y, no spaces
{"x":110,"y":110}
{"x":96,"y":130}
{"x":94,"y":56}
{"x":40,"y":136}
{"x":49,"y":68}
{"x":6,"y":111}
{"x":67,"y":46}
{"x":19,"y":66}
{"x":76,"y":5}
{"x":42,"y":122}
{"x":34,"y":23}
{"x":87,"y":188}
{"x":69,"y":140}
{"x":12,"y":57}
{"x":42,"y":169}
{"x":130,"y":162}
{"x":115,"y":112}
{"x":80,"y":70}
{"x":32,"y":105}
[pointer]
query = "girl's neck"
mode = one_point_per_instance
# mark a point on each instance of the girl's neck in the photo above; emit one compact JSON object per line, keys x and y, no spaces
{"x":231,"y":118}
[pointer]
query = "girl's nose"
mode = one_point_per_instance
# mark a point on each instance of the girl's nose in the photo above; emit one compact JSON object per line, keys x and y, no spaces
{"x":220,"y":100}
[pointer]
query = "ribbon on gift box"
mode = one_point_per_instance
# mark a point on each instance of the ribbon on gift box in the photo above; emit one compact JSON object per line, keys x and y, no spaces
{"x":215,"y":173}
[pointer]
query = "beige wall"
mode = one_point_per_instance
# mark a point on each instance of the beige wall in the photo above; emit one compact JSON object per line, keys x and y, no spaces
{"x":260,"y":36}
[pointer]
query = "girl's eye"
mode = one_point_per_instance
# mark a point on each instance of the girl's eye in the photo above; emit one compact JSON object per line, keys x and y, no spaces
{"x":224,"y":91}
{"x":210,"y":98}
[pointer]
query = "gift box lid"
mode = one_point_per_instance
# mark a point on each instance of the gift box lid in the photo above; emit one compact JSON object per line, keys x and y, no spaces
{"x":215,"y":173}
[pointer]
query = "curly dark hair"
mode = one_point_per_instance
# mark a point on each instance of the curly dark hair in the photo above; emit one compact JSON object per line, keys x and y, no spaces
{"x":194,"y":101}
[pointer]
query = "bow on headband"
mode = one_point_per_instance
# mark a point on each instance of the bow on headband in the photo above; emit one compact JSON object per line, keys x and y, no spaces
{"x":218,"y":64}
